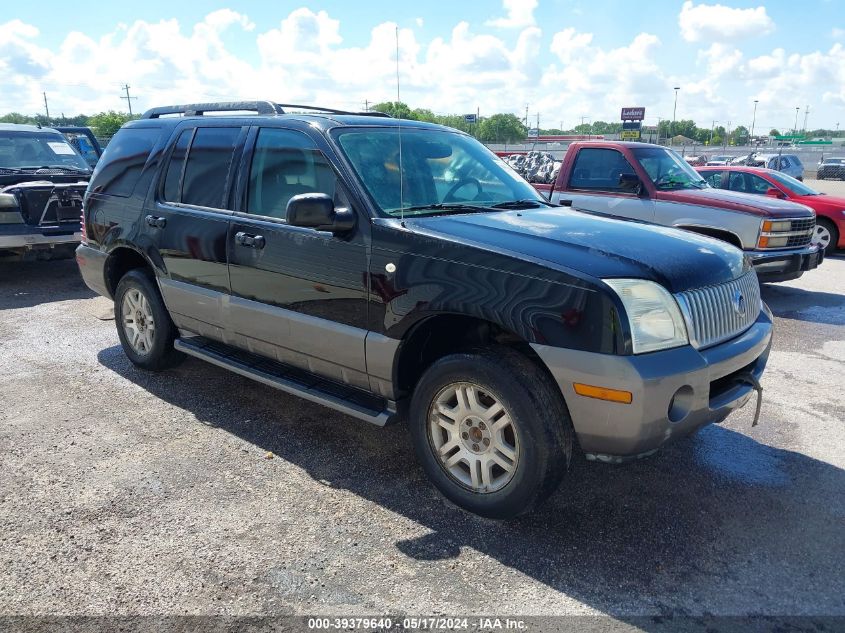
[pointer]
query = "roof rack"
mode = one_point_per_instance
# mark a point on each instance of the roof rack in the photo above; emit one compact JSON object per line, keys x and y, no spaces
{"x":259,"y":107}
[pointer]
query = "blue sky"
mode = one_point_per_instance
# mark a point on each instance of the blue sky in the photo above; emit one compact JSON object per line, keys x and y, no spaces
{"x":564,"y":58}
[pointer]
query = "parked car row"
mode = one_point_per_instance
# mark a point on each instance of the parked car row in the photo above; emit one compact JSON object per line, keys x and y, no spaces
{"x":832,"y":167}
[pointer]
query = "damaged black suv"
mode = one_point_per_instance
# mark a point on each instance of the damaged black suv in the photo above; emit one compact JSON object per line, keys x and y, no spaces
{"x":42,"y":182}
{"x":399,"y":270}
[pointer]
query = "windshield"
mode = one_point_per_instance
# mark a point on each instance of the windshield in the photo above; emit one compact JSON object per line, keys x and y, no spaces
{"x":667,"y":170}
{"x":794,"y":184}
{"x":442,"y":171}
{"x":33,"y":150}
{"x":834,"y":161}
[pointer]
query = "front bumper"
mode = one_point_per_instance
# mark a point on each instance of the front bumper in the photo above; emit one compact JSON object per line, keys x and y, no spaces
{"x":786,"y":264}
{"x":674,"y":391}
{"x":21,"y":237}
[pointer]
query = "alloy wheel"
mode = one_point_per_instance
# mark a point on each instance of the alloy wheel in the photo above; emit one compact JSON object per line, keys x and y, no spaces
{"x":138,"y":321}
{"x":473,"y":437}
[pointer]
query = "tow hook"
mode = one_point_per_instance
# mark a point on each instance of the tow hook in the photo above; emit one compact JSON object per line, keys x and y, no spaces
{"x":749,"y":378}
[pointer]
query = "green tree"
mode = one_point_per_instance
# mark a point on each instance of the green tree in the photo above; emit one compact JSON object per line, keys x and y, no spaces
{"x":501,"y":128}
{"x":107,"y":123}
{"x":740,"y":135}
{"x":774,"y":132}
{"x":396,"y":109}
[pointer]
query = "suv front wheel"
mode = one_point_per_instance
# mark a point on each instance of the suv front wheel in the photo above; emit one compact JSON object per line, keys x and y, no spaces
{"x":491,"y":431}
{"x":143,"y":324}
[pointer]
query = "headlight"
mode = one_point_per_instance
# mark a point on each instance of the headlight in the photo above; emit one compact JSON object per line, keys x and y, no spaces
{"x":654,"y":316}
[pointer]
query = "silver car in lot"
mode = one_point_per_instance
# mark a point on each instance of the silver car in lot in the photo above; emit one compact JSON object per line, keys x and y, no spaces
{"x":789,"y":164}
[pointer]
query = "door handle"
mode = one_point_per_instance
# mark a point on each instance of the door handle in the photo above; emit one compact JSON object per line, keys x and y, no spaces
{"x":155,"y":222}
{"x":249,"y":241}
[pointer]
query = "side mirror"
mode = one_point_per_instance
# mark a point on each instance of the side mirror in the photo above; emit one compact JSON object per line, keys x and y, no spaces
{"x":774,"y":192}
{"x":631,"y":183}
{"x":317,"y":211}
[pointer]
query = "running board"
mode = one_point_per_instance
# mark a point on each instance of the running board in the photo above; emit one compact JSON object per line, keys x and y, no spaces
{"x":355,"y":402}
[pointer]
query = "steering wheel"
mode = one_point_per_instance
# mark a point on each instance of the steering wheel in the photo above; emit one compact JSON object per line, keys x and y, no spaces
{"x":462,"y":183}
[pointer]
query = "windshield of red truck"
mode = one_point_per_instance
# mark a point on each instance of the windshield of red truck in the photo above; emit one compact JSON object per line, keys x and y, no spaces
{"x":668,"y":170}
{"x":442,"y":172}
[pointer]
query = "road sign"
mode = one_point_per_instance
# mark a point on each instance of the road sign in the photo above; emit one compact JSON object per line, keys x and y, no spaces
{"x":633,"y":114}
{"x":630,"y":135}
{"x":470,"y":118}
{"x":632,"y":125}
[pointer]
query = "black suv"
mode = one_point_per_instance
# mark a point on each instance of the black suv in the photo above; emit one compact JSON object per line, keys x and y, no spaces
{"x":400,"y":270}
{"x":42,"y":181}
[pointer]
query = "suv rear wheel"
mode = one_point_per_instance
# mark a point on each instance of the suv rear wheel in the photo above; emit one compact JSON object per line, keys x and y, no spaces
{"x":144,"y":327}
{"x":491,"y":430}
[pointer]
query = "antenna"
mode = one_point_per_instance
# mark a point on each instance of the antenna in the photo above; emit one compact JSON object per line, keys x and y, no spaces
{"x":399,"y":130}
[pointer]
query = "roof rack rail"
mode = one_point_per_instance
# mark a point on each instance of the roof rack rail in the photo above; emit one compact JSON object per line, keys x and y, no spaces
{"x":199,"y":109}
{"x":332,"y":110}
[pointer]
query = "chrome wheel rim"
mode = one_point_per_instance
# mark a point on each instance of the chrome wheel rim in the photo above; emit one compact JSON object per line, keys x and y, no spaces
{"x":473,"y":437}
{"x":138,"y":321}
{"x":821,"y":236}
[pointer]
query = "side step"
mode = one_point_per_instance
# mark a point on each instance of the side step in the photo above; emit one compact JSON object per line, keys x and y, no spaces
{"x":343,"y":398}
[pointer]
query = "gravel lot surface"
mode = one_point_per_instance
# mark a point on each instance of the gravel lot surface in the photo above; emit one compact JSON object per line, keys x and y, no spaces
{"x":196,"y":491}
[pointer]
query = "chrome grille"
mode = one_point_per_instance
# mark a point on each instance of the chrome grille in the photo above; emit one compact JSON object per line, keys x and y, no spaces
{"x":712,"y":313}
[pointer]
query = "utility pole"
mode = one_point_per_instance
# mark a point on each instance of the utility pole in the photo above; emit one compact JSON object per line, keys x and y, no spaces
{"x":727,"y":135}
{"x":674,"y":112}
{"x":526,"y":115}
{"x":46,"y":107}
{"x":128,"y":98}
{"x":806,"y":114}
{"x":712,"y":126}
{"x":538,"y":124}
{"x":795,"y":125}
{"x":366,"y":105}
{"x":754,"y":119}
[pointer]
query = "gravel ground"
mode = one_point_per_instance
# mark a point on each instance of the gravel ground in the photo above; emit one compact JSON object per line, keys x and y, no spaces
{"x":195,"y":491}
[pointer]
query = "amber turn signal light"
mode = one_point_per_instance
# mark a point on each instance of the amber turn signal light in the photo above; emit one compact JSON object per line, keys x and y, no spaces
{"x":603,"y":393}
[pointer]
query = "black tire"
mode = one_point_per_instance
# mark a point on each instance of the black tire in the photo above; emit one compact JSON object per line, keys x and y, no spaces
{"x":834,"y":235}
{"x":537,"y":411}
{"x":161,"y":354}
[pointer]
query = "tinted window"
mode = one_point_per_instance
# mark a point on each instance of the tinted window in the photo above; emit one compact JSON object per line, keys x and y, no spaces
{"x":208,"y":166}
{"x":755,"y":184}
{"x":173,"y":175}
{"x":285,"y":164}
{"x":123,"y":161}
{"x":599,"y":169}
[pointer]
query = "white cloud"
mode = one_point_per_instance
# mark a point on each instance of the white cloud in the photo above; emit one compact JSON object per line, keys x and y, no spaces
{"x":419,"y":22}
{"x":718,"y":23}
{"x":520,"y":13}
{"x":837,"y":33}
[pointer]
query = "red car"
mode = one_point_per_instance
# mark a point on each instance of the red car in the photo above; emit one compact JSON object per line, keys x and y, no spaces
{"x":830,"y":210}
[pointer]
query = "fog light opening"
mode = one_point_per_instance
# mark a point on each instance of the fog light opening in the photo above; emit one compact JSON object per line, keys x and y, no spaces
{"x":681,"y":404}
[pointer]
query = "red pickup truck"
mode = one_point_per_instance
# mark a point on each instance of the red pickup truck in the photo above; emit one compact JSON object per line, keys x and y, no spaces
{"x":654,"y":184}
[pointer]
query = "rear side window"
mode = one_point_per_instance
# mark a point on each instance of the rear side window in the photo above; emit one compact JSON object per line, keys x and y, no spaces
{"x":123,"y":160}
{"x":599,"y":169}
{"x":175,"y":167}
{"x":208,"y":167}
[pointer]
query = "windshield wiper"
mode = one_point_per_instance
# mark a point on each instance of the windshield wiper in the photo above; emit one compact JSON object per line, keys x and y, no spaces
{"x":443,"y":208}
{"x":62,"y":167}
{"x":521,"y":204}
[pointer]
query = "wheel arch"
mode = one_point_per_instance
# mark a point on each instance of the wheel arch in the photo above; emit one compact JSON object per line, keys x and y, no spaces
{"x":120,"y":261}
{"x":720,"y":234}
{"x":438,"y":335}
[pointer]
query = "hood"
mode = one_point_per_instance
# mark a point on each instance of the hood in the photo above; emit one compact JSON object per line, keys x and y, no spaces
{"x":595,"y":245}
{"x":754,"y":203}
{"x":823,"y":202}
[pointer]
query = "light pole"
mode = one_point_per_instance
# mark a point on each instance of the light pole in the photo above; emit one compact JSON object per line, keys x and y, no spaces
{"x":753,"y":120}
{"x":674,"y":112}
{"x":795,"y":127}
